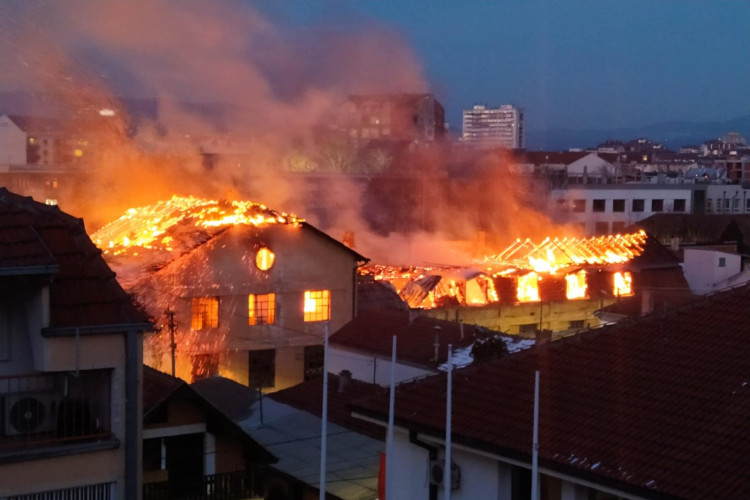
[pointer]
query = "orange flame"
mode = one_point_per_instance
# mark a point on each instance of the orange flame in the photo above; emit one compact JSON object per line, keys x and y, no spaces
{"x":147,"y":227}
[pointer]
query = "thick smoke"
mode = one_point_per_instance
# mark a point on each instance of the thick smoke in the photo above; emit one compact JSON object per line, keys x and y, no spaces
{"x":237,"y":94}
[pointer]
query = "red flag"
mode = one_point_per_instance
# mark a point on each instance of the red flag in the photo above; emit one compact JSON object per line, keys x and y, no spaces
{"x":381,"y":478}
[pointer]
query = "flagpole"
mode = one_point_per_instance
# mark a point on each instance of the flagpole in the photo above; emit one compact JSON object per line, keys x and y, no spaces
{"x":448,"y":444}
{"x":535,"y":444}
{"x":389,"y":436}
{"x":324,"y":418}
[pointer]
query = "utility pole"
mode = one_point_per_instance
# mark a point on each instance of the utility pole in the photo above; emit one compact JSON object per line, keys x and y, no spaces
{"x":172,"y":345}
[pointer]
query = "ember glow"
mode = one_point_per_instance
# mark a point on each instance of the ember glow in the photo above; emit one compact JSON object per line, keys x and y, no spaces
{"x":562,"y":264}
{"x":556,"y":253}
{"x":152,"y":227}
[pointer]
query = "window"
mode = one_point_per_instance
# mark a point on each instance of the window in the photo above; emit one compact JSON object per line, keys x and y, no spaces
{"x":579,"y":205}
{"x":261,"y":309}
{"x":264,"y":259}
{"x":576,"y":324}
{"x":709,"y":206}
{"x":204,"y":365}
{"x":599,"y":205}
{"x":317,"y":306}
{"x":735,"y":205}
{"x":601,"y":228}
{"x":313,"y":361}
{"x":722,"y":262}
{"x":657,"y":205}
{"x":528,"y":328}
{"x":618,"y":227}
{"x":262,"y":368}
{"x":638,"y":205}
{"x":747,"y":205}
{"x":679,"y":205}
{"x":618,"y":205}
{"x":205,"y":313}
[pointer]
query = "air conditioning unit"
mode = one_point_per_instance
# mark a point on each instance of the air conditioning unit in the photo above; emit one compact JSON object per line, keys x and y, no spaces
{"x":437,"y":474}
{"x":30,"y":413}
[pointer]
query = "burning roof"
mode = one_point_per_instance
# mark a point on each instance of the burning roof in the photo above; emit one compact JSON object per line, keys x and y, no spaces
{"x":158,"y":226}
{"x":555,"y":268}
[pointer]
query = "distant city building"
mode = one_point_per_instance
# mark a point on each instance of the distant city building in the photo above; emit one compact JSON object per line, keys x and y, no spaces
{"x":400,"y":117}
{"x":492,"y":127}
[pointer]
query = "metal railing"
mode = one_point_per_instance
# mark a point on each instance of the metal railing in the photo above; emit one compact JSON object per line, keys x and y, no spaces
{"x":227,"y":486}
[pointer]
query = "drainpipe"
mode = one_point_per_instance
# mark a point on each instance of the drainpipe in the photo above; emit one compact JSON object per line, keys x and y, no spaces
{"x":433,"y":456}
{"x":132,"y":416}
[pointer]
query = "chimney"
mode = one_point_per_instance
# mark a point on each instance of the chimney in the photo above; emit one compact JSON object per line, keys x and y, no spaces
{"x":345,"y":380}
{"x":348,"y":239}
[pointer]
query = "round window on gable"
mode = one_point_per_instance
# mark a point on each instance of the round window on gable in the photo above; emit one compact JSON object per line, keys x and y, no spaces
{"x":264,"y":259}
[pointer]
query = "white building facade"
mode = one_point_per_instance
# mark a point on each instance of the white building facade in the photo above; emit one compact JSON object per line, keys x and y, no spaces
{"x":610,"y":208}
{"x":494,"y":127}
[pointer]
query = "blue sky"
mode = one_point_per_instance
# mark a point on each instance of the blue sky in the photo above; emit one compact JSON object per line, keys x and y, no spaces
{"x":574,"y":64}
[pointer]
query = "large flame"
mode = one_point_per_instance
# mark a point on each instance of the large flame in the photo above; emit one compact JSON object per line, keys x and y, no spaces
{"x":150,"y":227}
{"x":525,"y":262}
{"x":556,"y":253}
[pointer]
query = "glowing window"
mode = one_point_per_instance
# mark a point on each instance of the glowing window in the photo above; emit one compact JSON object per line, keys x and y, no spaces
{"x":623,"y":284}
{"x":264,"y":259}
{"x":576,"y":285}
{"x":317,"y":305}
{"x":205,"y":313}
{"x":261,"y":309}
{"x":528,"y":288}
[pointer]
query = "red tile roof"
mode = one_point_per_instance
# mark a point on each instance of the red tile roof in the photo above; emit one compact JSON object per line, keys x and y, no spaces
{"x":373,"y":331}
{"x":36,"y":238}
{"x":159,"y":388}
{"x":659,"y":406}
{"x":308,"y":396}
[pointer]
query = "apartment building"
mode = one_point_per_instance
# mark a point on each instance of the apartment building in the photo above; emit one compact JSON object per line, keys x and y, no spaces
{"x":494,"y":127}
{"x":610,"y":208}
{"x":70,"y":362}
{"x":398,"y":117}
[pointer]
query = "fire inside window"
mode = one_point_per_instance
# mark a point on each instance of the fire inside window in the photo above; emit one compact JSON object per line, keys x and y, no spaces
{"x":264,"y":259}
{"x":262,"y":309}
{"x":528,"y":288}
{"x":205,"y":313}
{"x":576,"y":285}
{"x":317,"y":305}
{"x":623,"y":284}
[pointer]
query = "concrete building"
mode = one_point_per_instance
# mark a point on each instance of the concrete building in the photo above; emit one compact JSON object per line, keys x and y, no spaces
{"x":12,"y":143}
{"x":404,"y":117}
{"x":70,"y":362}
{"x":248,"y":301}
{"x":610,"y":208}
{"x":494,"y":127}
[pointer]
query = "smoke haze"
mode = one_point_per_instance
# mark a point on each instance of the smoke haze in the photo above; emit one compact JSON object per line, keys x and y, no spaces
{"x":269,"y":87}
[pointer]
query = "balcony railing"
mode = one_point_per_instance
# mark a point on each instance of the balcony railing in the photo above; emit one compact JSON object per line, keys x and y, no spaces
{"x":228,"y":486}
{"x":51,"y":409}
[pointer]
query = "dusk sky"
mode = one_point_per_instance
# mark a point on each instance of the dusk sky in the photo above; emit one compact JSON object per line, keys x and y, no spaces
{"x":574,"y":64}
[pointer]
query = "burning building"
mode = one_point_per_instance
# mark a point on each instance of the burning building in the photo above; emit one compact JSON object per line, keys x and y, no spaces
{"x":557,"y":284}
{"x":238,"y":289}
